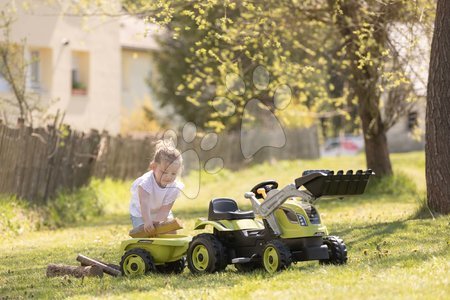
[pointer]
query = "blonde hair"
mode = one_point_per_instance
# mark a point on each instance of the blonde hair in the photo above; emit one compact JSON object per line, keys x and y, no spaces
{"x":165,"y":151}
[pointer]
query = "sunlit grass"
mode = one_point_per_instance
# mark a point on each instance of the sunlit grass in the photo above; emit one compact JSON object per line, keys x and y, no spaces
{"x":392,"y":255}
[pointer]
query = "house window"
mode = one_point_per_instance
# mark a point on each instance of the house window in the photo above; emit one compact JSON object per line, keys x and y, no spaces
{"x":80,"y":72}
{"x":412,"y":120}
{"x":4,"y":86}
{"x":34,"y":63}
{"x":126,"y":61}
{"x":34,"y":75}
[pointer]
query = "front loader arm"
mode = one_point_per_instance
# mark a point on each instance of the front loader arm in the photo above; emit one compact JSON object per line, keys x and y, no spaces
{"x":274,"y":199}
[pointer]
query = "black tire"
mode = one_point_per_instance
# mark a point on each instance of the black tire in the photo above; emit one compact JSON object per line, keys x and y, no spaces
{"x":276,"y":256}
{"x":337,"y":251}
{"x":173,"y":267}
{"x":247,"y":267}
{"x":206,"y":254}
{"x":136,"y":262}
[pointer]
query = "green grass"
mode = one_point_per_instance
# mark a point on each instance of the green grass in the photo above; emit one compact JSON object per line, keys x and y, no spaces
{"x":392,"y":254}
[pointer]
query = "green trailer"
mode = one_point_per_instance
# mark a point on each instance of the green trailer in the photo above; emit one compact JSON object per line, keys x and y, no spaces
{"x":164,"y":253}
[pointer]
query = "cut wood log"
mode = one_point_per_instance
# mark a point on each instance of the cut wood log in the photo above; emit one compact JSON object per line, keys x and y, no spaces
{"x":163,"y":227}
{"x":86,"y":261}
{"x":54,"y":270}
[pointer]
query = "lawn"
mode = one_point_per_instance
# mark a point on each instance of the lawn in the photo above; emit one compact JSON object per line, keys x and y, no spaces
{"x":392,"y":253}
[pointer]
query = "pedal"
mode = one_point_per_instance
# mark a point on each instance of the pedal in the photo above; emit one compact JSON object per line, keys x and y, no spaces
{"x":240,"y":260}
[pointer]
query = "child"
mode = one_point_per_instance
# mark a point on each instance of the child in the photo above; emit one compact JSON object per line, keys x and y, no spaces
{"x":154,"y":193}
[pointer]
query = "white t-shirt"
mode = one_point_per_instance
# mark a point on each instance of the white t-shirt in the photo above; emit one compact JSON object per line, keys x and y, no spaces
{"x":158,"y":196}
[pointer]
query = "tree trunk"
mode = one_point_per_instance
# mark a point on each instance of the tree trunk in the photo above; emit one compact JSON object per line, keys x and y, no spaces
{"x":364,"y":81}
{"x":437,"y":139}
{"x":376,"y":147}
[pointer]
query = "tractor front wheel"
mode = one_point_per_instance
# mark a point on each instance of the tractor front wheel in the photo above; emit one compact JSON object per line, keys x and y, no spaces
{"x":337,"y":251}
{"x":136,"y":262}
{"x":206,"y":254}
{"x":276,"y":256}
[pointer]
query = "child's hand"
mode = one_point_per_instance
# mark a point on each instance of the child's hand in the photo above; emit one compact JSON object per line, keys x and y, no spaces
{"x":149,"y":228}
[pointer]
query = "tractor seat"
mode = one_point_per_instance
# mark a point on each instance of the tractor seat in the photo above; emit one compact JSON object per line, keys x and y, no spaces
{"x":227,"y":209}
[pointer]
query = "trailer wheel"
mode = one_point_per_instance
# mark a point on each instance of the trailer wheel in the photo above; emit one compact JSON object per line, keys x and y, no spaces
{"x":206,"y":254}
{"x":337,"y":251}
{"x":136,"y":262}
{"x":176,"y":267}
{"x":276,"y":256}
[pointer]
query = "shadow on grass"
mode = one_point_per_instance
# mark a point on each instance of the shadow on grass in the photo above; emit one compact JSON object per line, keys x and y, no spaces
{"x":379,"y":232}
{"x":398,"y":241}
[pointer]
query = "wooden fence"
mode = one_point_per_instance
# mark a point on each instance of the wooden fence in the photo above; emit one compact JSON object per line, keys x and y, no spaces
{"x":37,"y":162}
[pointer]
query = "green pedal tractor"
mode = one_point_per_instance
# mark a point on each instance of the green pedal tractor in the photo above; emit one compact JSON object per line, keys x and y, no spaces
{"x":289,"y":227}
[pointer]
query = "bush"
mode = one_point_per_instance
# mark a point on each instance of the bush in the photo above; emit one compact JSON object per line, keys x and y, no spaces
{"x":18,"y":216}
{"x":69,"y":208}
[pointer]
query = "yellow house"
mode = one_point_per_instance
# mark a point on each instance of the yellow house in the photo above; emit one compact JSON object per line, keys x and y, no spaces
{"x":93,"y":69}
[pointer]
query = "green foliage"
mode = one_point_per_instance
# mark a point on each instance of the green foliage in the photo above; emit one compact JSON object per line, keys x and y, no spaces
{"x":328,"y":52}
{"x":206,"y":42}
{"x":69,"y":208}
{"x":17,"y":217}
{"x":343,"y":60}
{"x":112,"y":195}
{"x":100,"y":197}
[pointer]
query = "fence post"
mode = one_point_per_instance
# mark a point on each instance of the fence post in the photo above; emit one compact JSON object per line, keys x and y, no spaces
{"x":19,"y":168}
{"x":51,"y":151}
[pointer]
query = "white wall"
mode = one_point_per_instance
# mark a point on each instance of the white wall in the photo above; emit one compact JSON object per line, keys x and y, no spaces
{"x":44,"y":27}
{"x":137,"y":69}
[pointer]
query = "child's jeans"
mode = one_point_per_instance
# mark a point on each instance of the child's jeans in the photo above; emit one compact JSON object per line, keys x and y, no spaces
{"x":138,"y":221}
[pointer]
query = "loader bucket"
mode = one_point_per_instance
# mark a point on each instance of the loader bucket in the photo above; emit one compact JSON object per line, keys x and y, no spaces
{"x":327,"y":183}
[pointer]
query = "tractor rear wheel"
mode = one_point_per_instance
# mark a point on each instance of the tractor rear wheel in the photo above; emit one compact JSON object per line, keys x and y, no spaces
{"x":136,"y":262}
{"x":206,"y":254}
{"x":337,"y":251}
{"x":276,"y":256}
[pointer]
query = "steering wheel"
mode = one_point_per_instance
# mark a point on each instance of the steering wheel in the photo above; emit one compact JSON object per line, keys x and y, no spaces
{"x":267,"y":185}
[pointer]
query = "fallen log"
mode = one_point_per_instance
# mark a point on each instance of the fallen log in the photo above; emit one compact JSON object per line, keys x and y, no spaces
{"x":54,"y":270}
{"x":86,"y":261}
{"x":161,"y":228}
